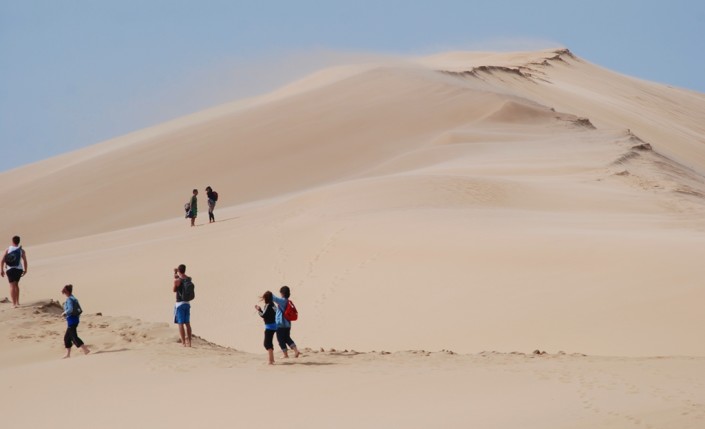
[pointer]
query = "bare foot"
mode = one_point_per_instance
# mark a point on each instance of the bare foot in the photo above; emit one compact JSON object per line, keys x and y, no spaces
{"x":66,"y":357}
{"x":297,"y":354}
{"x":86,"y":350}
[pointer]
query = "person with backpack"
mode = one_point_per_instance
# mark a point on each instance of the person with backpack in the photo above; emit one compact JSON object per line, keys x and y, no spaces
{"x":72,"y":313}
{"x":192,"y":207}
{"x":212,"y":199}
{"x":269,"y":315}
{"x":285,"y":308}
{"x":185,"y":293}
{"x":15,"y":259}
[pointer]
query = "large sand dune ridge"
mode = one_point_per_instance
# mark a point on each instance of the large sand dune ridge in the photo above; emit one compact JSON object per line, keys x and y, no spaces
{"x":467,"y":201}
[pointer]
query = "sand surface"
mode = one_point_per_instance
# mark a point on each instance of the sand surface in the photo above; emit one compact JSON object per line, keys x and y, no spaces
{"x":484,"y":203}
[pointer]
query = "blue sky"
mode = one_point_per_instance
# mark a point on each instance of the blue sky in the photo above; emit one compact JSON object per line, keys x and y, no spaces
{"x":74,"y":73}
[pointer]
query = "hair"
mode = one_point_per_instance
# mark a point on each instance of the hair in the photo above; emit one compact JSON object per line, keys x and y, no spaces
{"x":267,"y":297}
{"x":68,"y":290}
{"x":285,"y":291}
{"x":209,"y":189}
{"x":16,"y":240}
{"x":182,"y":269}
{"x":195,"y":191}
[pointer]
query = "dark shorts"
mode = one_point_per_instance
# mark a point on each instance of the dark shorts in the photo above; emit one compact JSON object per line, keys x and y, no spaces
{"x":284,"y":338}
{"x":269,"y":339}
{"x":182,"y":314}
{"x":14,"y":274}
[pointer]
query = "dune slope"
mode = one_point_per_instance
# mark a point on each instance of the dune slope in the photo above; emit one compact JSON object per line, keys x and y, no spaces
{"x":465,"y":201}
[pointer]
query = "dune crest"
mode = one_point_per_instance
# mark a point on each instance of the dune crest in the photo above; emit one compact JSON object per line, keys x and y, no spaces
{"x":543,"y":189}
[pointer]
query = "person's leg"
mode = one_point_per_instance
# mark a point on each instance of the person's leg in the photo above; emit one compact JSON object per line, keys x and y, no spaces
{"x":270,"y":353}
{"x":182,"y":334}
{"x":188,"y":334}
{"x":269,"y":344}
{"x":291,"y":343}
{"x":281,"y":339}
{"x":15,"y":294}
{"x":77,"y":341}
{"x":67,"y":343}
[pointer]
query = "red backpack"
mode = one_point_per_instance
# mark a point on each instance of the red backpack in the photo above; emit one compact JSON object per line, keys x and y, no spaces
{"x":290,"y":312}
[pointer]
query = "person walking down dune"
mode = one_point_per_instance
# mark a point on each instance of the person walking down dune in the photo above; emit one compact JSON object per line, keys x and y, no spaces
{"x":15,"y":259}
{"x":72,"y":313}
{"x":269,"y":314}
{"x":185,"y":293}
{"x":212,"y":199}
{"x":284,"y":325}
{"x":193,"y":208}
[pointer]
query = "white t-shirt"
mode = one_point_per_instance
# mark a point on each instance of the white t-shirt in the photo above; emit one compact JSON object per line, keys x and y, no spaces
{"x":19,"y":266}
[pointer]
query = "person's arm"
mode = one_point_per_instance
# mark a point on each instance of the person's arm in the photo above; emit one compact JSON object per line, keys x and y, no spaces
{"x":281,"y":302}
{"x":68,"y":306}
{"x":24,"y":262}
{"x":259,"y":311}
{"x":2,"y":264}
{"x":177,"y":283}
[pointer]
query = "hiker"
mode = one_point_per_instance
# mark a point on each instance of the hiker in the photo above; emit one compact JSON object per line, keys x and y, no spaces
{"x":72,"y":313}
{"x":269,"y":314}
{"x":212,"y":199}
{"x":184,"y":289}
{"x":193,"y":207}
{"x":15,"y":259}
{"x":284,"y":325}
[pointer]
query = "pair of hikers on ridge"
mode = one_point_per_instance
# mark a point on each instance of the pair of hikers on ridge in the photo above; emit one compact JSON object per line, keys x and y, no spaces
{"x":191,"y":207}
{"x":277,"y":314}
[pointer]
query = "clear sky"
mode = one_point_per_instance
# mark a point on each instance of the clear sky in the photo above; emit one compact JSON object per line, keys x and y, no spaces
{"x":74,"y":73}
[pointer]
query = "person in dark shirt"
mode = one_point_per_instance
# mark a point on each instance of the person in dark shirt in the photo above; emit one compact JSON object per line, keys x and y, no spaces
{"x":212,"y":199}
{"x":182,"y":309}
{"x":193,"y":207}
{"x":269,"y":315}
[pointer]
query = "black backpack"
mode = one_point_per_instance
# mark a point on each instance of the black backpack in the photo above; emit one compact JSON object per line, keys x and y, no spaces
{"x":12,"y":259}
{"x":188,"y":292}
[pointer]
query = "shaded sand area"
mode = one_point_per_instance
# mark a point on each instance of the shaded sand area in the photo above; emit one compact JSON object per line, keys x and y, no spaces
{"x":464,"y":202}
{"x":139,"y":375}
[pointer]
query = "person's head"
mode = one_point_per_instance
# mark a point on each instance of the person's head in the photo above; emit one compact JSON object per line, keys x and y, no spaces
{"x":16,"y":240}
{"x":67,"y":290}
{"x":195,"y":192}
{"x":285,"y":292}
{"x":209,"y":189}
{"x":267,"y":297}
{"x":181,"y":269}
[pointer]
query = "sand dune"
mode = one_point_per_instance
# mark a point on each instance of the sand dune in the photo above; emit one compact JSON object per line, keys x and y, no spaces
{"x":464,"y":201}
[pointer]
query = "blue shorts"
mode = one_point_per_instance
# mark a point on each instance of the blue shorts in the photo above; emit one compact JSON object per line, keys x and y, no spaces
{"x":182,"y":313}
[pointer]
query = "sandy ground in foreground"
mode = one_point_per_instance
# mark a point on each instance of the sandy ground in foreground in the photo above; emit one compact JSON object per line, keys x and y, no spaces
{"x":139,"y":375}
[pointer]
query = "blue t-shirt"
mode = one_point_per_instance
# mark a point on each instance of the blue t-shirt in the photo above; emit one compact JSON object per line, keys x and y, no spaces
{"x":68,"y":309}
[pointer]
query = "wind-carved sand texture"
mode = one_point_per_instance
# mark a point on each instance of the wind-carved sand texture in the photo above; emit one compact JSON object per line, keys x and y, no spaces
{"x":461,"y":202}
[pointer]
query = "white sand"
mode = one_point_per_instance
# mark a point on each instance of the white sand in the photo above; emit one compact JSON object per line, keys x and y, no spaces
{"x":465,"y":201}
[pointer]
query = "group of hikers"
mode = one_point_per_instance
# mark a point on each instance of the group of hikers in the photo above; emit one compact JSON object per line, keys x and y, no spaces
{"x":191,"y":207}
{"x":278,"y":311}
